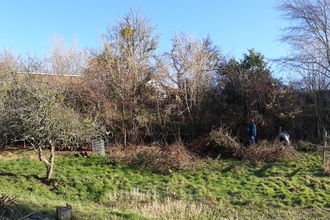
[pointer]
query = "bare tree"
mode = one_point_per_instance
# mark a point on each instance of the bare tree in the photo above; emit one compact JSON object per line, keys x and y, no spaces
{"x":192,"y":67}
{"x":65,"y":59}
{"x":307,"y":35}
{"x":9,"y":62}
{"x":315,"y":86}
{"x":125,"y":62}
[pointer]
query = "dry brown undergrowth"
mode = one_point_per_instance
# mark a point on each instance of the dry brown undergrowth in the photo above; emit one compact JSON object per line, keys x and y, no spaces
{"x":163,"y":159}
{"x":219,"y":144}
{"x":268,"y":152}
{"x":326,"y":169}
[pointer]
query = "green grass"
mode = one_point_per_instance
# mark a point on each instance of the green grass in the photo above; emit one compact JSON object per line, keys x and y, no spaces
{"x":101,"y":189}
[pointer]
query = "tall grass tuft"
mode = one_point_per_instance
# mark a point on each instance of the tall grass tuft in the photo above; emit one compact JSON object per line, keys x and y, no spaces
{"x":326,"y":169}
{"x":163,"y":207}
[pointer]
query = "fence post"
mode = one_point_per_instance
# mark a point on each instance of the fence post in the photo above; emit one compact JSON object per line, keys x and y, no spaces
{"x":325,"y":146}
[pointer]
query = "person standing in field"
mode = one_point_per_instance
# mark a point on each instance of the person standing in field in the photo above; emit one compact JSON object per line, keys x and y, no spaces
{"x":252,"y":133}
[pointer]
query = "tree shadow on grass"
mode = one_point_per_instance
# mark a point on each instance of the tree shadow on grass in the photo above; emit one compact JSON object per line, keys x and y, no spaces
{"x":262,"y":171}
{"x":294,"y":172}
{"x":228,"y":169}
{"x":7,"y":174}
{"x":43,"y":180}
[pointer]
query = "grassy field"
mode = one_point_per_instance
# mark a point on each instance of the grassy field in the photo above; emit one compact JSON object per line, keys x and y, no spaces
{"x":103,"y":188}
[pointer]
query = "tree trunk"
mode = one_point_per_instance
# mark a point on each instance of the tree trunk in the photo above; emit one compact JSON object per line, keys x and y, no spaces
{"x":124,"y":127}
{"x":50,"y":162}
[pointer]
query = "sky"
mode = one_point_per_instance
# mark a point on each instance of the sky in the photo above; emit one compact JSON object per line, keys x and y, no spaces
{"x":235,"y":26}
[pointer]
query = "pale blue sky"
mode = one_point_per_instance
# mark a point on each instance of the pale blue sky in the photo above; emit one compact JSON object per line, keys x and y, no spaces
{"x":233,"y":25}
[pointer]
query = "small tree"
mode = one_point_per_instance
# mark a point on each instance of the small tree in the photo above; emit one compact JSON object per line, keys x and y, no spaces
{"x":39,"y":117}
{"x":32,"y":109}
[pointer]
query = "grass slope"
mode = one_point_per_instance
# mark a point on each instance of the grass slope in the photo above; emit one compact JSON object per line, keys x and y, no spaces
{"x":100,"y":188}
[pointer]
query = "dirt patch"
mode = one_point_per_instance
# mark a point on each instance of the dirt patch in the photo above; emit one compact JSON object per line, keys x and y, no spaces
{"x":12,"y":152}
{"x":17,"y":149}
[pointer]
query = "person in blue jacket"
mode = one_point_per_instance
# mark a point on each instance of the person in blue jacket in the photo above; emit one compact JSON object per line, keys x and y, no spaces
{"x":252,"y":133}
